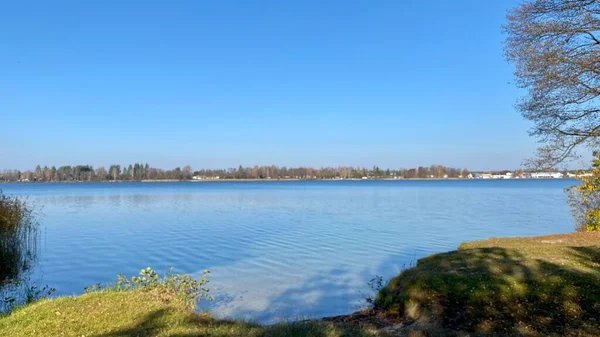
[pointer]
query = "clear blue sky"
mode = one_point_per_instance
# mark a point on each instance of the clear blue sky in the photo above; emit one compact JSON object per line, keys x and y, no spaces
{"x":222,"y":83}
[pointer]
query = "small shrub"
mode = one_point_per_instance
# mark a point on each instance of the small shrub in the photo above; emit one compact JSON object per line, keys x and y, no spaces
{"x":23,"y":291}
{"x":34,"y":293}
{"x":375,"y":285}
{"x":182,"y":285}
{"x":94,"y":288}
{"x":585,"y":199}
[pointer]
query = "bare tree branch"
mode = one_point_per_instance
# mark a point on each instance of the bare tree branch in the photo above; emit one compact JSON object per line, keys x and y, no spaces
{"x":555,"y":47}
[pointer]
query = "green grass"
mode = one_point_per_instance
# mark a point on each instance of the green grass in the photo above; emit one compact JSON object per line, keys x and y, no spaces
{"x":143,"y":312}
{"x":538,"y":286}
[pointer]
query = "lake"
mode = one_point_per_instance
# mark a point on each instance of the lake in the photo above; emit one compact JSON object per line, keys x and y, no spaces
{"x":289,"y":249}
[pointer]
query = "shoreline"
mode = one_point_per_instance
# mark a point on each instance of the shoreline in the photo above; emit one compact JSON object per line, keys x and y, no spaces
{"x":263,"y":180}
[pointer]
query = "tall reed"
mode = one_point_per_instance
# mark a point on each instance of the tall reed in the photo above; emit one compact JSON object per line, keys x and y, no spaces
{"x":18,"y":238}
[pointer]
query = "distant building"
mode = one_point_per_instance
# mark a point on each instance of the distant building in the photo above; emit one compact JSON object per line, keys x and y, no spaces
{"x":546,"y":175}
{"x":578,"y":175}
{"x":204,"y":178}
{"x":507,"y":175}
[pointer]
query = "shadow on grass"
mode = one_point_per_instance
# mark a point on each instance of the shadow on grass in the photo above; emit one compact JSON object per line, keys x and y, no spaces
{"x":164,"y":322}
{"x":501,"y":291}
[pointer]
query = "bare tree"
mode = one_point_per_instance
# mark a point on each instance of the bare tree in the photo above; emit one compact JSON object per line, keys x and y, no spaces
{"x":555,"y":45}
{"x":101,"y":173}
{"x":187,"y":172}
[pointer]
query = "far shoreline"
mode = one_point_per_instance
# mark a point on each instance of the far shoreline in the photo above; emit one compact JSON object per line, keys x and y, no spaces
{"x":263,"y":180}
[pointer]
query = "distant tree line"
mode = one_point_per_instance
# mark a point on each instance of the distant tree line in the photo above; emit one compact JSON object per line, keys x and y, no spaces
{"x":139,"y":171}
{"x":133,"y":172}
{"x":276,"y":172}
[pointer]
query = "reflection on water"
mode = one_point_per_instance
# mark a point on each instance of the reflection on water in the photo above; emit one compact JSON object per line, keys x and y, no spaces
{"x":278,"y":249}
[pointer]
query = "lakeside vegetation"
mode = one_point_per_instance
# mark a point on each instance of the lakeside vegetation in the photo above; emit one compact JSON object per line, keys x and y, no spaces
{"x":585,"y":199}
{"x":18,"y":238}
{"x":138,"y":172}
{"x":144,"y":172}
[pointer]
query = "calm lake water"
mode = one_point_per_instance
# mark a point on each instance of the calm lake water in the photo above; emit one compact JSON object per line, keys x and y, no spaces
{"x":277,"y":249}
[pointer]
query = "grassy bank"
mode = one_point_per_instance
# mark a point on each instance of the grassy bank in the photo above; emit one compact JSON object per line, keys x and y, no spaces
{"x":538,"y":286}
{"x":143,"y":312}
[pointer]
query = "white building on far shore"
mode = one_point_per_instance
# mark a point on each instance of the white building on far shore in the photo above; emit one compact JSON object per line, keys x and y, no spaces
{"x":507,"y":175}
{"x":546,"y":175}
{"x":204,"y":178}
